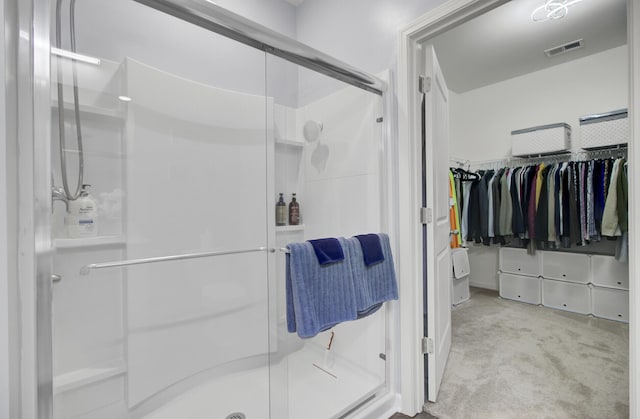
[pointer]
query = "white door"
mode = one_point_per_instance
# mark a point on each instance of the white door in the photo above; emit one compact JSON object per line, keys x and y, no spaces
{"x":437,"y":269}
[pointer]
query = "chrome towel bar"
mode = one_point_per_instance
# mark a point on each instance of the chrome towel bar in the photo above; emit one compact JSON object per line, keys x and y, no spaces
{"x":85,"y":270}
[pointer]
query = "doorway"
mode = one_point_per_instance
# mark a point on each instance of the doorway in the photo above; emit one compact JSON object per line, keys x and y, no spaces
{"x":435,"y":23}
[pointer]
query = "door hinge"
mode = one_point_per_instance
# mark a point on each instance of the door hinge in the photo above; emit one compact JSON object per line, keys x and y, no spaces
{"x":427,"y":345}
{"x":426,"y":215}
{"x":424,"y":84}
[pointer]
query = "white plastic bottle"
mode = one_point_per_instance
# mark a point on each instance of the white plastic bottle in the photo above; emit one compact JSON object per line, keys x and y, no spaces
{"x":81,"y":218}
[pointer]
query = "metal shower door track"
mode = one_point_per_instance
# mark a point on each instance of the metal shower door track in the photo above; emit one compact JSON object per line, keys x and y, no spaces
{"x":212,"y":17}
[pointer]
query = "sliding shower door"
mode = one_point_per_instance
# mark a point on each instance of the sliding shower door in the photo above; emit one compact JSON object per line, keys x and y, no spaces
{"x":162,"y":310}
{"x":337,"y":176}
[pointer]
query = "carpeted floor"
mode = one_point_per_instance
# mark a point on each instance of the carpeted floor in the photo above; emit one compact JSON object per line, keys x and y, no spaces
{"x":515,"y":360}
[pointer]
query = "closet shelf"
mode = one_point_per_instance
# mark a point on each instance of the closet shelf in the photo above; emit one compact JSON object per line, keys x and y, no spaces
{"x":89,"y":242}
{"x":282,"y":229}
{"x":292,"y":143}
{"x":85,"y":376}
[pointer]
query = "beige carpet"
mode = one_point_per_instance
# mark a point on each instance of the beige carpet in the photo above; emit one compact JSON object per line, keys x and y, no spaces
{"x":515,"y":360}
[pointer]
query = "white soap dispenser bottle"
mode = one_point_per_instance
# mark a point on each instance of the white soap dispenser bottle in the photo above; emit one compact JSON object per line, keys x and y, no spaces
{"x":81,"y":218}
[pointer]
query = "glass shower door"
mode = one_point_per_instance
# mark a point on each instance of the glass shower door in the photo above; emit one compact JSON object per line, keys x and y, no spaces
{"x":163,"y":306}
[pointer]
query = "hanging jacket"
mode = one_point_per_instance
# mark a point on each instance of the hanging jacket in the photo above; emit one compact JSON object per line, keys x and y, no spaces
{"x":517,"y":222}
{"x":474,"y":229}
{"x":484,"y":206}
{"x":622,"y":195}
{"x":610,"y":226}
{"x":574,"y":214}
{"x":506,"y":206}
{"x":542,"y":210}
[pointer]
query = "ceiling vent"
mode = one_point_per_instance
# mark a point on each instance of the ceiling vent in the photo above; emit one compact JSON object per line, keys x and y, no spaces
{"x":561,"y":49}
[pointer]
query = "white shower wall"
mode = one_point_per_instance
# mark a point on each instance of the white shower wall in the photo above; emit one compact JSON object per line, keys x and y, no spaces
{"x":119,"y":28}
{"x":125,"y":336}
{"x":195,"y":182}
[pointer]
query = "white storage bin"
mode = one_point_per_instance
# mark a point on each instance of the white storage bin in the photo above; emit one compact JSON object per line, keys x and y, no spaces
{"x":566,"y":267}
{"x":610,"y":303}
{"x":520,"y":288}
{"x":517,"y":261}
{"x":460,"y":262}
{"x":605,"y":130}
{"x":606,"y":271}
{"x":459,"y":290}
{"x":566,"y":296}
{"x":544,"y":139}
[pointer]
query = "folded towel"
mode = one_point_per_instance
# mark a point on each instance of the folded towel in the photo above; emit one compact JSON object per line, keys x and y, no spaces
{"x":371,"y":248}
{"x":318,"y":296}
{"x":327,"y":250}
{"x":374,"y":284}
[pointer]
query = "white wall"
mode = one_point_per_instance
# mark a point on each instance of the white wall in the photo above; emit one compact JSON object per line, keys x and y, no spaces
{"x":482,"y":119}
{"x":119,"y":28}
{"x":363,"y":33}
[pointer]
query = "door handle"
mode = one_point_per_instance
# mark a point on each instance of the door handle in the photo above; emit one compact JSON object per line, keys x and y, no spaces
{"x":56,"y":278}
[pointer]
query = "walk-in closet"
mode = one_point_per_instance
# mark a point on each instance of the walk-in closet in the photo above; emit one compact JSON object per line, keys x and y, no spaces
{"x":538,"y":135}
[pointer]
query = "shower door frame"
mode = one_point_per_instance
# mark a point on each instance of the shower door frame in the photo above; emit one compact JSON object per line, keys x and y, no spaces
{"x":35,"y":251}
{"x":31,"y":56}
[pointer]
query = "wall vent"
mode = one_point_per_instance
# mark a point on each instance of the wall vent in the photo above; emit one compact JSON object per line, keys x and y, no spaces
{"x":561,"y":49}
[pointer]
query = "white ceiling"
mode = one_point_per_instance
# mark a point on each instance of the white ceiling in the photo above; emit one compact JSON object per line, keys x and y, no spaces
{"x":295,"y":2}
{"x":505,"y":43}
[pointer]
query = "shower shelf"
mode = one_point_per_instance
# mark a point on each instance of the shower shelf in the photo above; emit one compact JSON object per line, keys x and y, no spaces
{"x":282,"y":229}
{"x":85,"y":376}
{"x":92,"y":110}
{"x":89,"y":242}
{"x":293,"y":143}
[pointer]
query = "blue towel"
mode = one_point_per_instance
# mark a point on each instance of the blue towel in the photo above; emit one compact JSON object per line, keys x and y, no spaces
{"x":371,"y":248}
{"x":374,"y":284}
{"x":318,"y":296}
{"x":327,"y":250}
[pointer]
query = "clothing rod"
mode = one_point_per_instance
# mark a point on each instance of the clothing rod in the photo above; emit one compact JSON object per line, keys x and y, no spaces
{"x":85,"y":270}
{"x":212,"y":17}
{"x":560,"y":157}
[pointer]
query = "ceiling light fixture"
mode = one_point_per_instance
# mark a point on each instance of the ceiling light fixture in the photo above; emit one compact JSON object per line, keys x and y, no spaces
{"x":552,"y":10}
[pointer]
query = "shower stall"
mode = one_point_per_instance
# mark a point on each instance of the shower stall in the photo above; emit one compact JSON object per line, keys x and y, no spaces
{"x":187,"y":122}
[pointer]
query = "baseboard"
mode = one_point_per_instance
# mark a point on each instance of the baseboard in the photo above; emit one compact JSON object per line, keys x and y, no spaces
{"x":484,"y":285}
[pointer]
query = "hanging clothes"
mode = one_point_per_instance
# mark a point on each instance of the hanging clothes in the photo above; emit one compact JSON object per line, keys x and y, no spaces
{"x":454,"y":218}
{"x":483,"y":189}
{"x":610,"y":226}
{"x":466,"y":193}
{"x":549,"y":206}
{"x":517,"y":223}
{"x":506,"y":206}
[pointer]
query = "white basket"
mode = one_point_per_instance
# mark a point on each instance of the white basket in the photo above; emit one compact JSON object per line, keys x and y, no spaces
{"x":605,"y":130}
{"x":546,"y":139}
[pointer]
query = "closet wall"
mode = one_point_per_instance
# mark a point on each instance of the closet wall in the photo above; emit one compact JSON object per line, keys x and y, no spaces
{"x":482,"y":119}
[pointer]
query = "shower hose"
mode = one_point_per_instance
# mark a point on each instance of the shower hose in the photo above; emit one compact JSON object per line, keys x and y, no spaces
{"x":76,"y":105}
